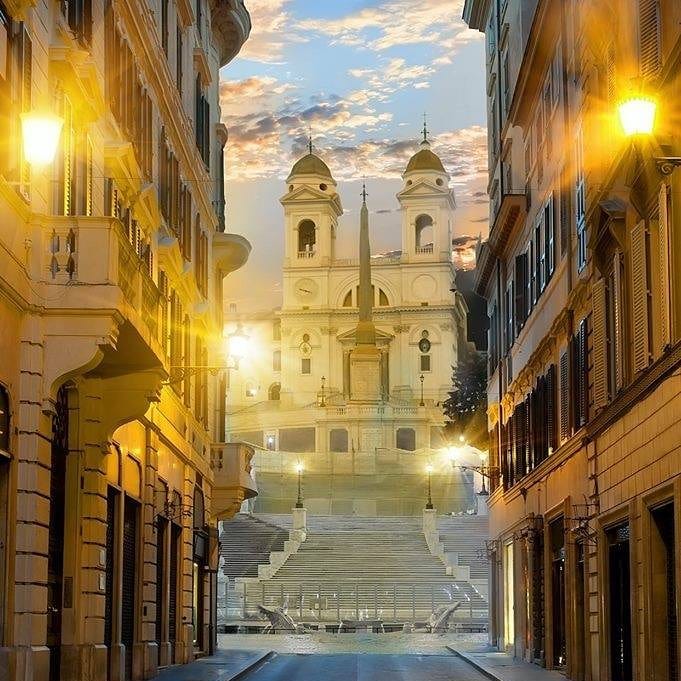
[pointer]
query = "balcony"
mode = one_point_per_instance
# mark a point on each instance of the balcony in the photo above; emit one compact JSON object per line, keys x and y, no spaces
{"x":87,"y":267}
{"x":512,"y":207}
{"x":231,"y":25}
{"x":306,"y":255}
{"x":232,"y":484}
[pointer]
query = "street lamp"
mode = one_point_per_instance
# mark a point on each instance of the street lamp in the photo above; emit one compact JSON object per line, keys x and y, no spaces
{"x":637,"y":115}
{"x":322,"y":401}
{"x":299,"y":470}
{"x":422,"y":403}
{"x":429,"y":503}
{"x":40,"y":132}
{"x":484,"y":470}
{"x":236,"y":347}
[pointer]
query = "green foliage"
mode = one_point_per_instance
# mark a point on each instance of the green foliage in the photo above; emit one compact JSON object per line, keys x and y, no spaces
{"x":469,"y":389}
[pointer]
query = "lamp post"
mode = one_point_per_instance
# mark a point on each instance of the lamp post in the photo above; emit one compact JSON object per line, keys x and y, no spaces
{"x":637,"y":115}
{"x":429,"y":502}
{"x":422,"y":403}
{"x":484,"y":470}
{"x":40,"y":132}
{"x":299,"y":470}
{"x":322,"y":401}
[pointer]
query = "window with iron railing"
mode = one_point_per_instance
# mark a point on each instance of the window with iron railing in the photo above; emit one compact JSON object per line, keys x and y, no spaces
{"x":78,"y":14}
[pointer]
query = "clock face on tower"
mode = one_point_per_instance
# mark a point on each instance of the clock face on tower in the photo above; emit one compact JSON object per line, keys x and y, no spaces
{"x":305,"y":289}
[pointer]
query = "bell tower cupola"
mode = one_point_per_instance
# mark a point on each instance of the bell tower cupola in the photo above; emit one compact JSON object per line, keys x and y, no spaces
{"x":427,"y":206}
{"x":312,"y":207}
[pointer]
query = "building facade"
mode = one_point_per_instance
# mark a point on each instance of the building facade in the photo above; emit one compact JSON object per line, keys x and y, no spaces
{"x":113,"y":467}
{"x":294,"y":397}
{"x":582,"y":276}
{"x":294,"y":393}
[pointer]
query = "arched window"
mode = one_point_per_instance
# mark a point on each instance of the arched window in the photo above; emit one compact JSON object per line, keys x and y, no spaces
{"x":338,"y":440}
{"x":382,"y":298}
{"x":406,"y":439}
{"x":4,"y":420}
{"x":306,"y":236}
{"x":347,"y":301}
{"x":424,"y":233}
{"x":274,"y":393}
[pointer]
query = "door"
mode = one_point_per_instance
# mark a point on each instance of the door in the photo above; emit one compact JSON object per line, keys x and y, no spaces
{"x":55,"y":550}
{"x":128,"y":609}
{"x":109,"y":569}
{"x":663,"y":586}
{"x":175,"y":535}
{"x":557,"y":535}
{"x":620,"y":604}
{"x":538,"y":596}
{"x":578,"y":661}
{"x":160,"y":580}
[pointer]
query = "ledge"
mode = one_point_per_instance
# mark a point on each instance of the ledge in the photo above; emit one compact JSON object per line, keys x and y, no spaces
{"x":231,"y":27}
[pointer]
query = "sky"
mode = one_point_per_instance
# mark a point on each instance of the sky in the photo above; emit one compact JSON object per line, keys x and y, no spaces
{"x":358,"y":75}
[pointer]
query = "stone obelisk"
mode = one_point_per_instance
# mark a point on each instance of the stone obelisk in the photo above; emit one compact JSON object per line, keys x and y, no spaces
{"x":365,"y":358}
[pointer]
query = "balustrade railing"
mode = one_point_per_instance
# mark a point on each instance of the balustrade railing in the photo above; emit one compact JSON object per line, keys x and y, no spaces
{"x":326,"y":601}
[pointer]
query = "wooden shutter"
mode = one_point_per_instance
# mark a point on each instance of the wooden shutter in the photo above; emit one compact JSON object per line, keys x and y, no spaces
{"x":639,"y":295}
{"x":618,"y":321}
{"x":551,"y":407}
{"x":649,"y":38}
{"x":664,"y":292}
{"x":564,"y":396}
{"x":600,"y":343}
{"x":26,"y":71}
{"x":520,"y":290}
{"x":89,"y":175}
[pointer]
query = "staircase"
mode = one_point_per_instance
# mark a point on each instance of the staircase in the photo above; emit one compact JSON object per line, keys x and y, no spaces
{"x":245,"y":543}
{"x":463,"y":538}
{"x":362,"y":568}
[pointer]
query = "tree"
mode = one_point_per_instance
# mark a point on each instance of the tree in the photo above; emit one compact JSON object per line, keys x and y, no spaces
{"x":468,"y":396}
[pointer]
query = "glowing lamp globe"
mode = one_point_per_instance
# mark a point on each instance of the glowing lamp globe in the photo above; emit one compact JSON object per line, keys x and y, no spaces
{"x":299,"y":468}
{"x":40,"y":132}
{"x":237,"y":345}
{"x":637,"y":115}
{"x":429,"y":469}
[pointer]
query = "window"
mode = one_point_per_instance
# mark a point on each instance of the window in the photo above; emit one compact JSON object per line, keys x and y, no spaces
{"x":539,"y":257}
{"x":338,"y":440}
{"x":179,"y":55}
{"x":424,"y":363}
{"x":521,"y":278}
{"x":347,"y":301}
{"x":580,"y":200}
{"x":276,"y":360}
{"x":305,"y":365}
{"x":382,"y":298}
{"x":650,"y":55}
{"x":274,"y":393}
{"x":202,"y":121}
{"x":276,"y":330}
{"x":548,"y":240}
{"x":507,"y":81}
{"x":78,"y":14}
{"x":509,"y":315}
{"x":307,"y":236}
{"x":164,"y":26}
{"x":406,"y":439}
{"x":4,"y":420}
{"x":424,"y":233}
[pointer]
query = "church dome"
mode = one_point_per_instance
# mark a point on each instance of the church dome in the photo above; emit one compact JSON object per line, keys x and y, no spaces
{"x":311,"y":164}
{"x":425,"y":159}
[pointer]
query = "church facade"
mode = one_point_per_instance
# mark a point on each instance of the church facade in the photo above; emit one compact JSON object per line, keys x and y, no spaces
{"x":296,"y":392}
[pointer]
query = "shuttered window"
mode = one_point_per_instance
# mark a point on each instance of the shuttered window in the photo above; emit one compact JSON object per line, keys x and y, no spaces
{"x":25,"y":70}
{"x":549,"y":239}
{"x":580,"y":382}
{"x":600,"y":343}
{"x":551,"y":409}
{"x":663,"y":282}
{"x":580,"y":199}
{"x":521,"y":278}
{"x":650,"y":54}
{"x":618,"y":322}
{"x":640,"y":296}
{"x":564,"y":396}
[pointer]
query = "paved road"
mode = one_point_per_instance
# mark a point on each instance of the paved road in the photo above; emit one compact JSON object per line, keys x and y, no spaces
{"x":363,"y":667}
